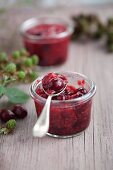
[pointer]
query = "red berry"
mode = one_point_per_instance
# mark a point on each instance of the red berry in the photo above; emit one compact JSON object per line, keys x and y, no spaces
{"x":56,"y":85}
{"x":83,"y":82}
{"x":63,"y":78}
{"x":19,"y":111}
{"x":53,"y":83}
{"x":82,"y":90}
{"x":79,"y":82}
{"x":6,"y":115}
{"x":47,"y":78}
{"x":70,"y":90}
{"x":78,"y":94}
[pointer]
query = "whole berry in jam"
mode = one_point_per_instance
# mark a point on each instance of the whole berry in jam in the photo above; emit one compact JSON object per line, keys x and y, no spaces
{"x":78,"y":94}
{"x":47,"y":78}
{"x":19,"y":111}
{"x":6,"y":115}
{"x":82,"y":90}
{"x":52,"y":83}
{"x":56,"y":85}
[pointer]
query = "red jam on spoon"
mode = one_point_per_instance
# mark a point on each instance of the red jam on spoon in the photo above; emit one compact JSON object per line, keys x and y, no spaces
{"x":53,"y":83}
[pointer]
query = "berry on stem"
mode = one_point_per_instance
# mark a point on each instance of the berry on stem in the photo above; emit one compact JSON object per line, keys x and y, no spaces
{"x":23,"y":52}
{"x":10,"y":68}
{"x":35,"y":59}
{"x":28,"y":62}
{"x":21,"y":74}
{"x":3,"y":56}
{"x":16,"y":54}
{"x":33,"y":75}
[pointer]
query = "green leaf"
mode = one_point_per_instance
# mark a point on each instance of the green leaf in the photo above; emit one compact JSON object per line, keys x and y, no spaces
{"x":16,"y":96}
{"x":2,"y":90}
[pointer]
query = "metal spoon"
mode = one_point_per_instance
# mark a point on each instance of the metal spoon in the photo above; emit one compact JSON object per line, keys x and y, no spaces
{"x":41,"y":127}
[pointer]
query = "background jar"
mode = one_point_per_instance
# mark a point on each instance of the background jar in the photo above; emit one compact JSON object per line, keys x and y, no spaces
{"x":52,"y":49}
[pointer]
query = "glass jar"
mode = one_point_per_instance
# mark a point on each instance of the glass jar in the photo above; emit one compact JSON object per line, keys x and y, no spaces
{"x":67,"y":117}
{"x":48,"y":38}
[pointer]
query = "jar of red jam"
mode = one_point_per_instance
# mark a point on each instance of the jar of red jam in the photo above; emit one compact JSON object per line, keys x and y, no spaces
{"x":68,"y":116}
{"x":48,"y":38}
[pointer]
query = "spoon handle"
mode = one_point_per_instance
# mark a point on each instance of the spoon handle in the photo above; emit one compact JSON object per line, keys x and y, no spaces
{"x":42,"y":125}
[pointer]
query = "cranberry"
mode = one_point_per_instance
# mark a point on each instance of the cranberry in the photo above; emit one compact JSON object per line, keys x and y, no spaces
{"x":60,"y":97}
{"x":70,"y":90}
{"x":78,"y":94}
{"x":69,"y":93}
{"x":47,"y":78}
{"x":19,"y":111}
{"x":82,"y":90}
{"x":6,"y":115}
{"x":52,"y":83}
{"x":63,"y":77}
{"x":56,"y":85}
{"x":38,"y":34}
{"x":41,"y":93}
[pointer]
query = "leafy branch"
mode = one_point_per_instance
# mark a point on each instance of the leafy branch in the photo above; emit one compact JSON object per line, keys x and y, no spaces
{"x":20,"y":69}
{"x":14,"y":94}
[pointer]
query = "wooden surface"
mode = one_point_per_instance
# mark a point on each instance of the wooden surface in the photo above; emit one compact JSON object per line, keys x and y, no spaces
{"x":93,"y":150}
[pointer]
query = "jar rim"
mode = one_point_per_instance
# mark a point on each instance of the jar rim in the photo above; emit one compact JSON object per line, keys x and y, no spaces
{"x":40,"y":20}
{"x":78,"y":100}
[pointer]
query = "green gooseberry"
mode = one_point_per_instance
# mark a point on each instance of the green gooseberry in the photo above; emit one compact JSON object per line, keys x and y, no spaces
{"x":21,"y":74}
{"x":33,"y":75}
{"x":35,"y":59}
{"x":16,"y":54}
{"x":3,"y":56}
{"x":23,"y":52}
{"x":28,"y":62}
{"x":10,"y":68}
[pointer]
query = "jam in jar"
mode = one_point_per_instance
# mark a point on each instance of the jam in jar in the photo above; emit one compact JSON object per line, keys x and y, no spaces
{"x":48,"y":38}
{"x":70,"y":112}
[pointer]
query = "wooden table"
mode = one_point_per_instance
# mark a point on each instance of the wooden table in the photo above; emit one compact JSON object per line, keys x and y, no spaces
{"x":93,"y":150}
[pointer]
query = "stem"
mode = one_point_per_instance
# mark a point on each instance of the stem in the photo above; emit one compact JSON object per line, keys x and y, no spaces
{"x":5,"y":83}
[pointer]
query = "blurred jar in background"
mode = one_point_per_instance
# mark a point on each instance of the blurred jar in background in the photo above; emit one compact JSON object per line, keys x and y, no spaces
{"x":47,"y":37}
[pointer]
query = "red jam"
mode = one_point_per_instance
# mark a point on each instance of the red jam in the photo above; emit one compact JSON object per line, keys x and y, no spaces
{"x":46,"y":43}
{"x":54,"y":83}
{"x":46,"y":30}
{"x":67,"y":117}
